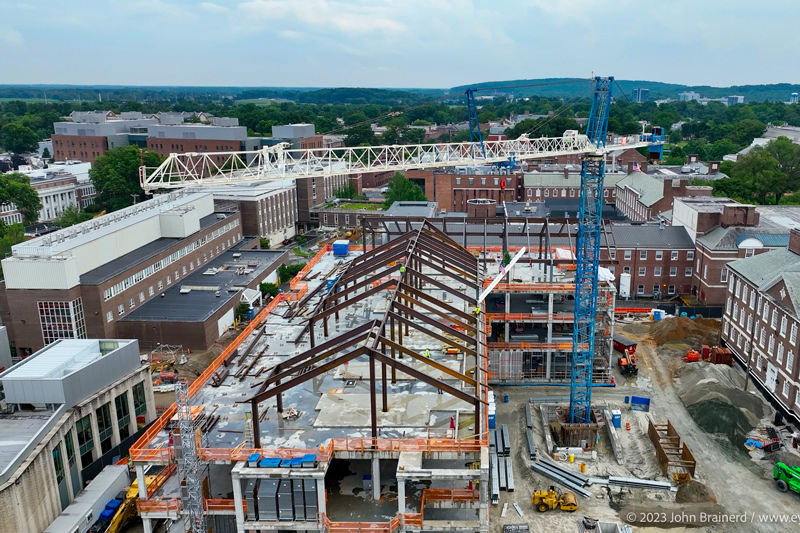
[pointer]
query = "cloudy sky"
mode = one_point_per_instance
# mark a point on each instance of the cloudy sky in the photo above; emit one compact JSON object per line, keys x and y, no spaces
{"x":395,"y":43}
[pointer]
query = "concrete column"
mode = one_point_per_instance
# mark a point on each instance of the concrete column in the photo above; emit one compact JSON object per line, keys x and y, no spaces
{"x":148,"y":525}
{"x":401,"y":496}
{"x":132,"y":427}
{"x":238,"y":502}
{"x":376,"y":478}
{"x":549,"y":363}
{"x":321,"y":507}
{"x":98,"y":450}
{"x":140,"y":481}
{"x":115,"y":440}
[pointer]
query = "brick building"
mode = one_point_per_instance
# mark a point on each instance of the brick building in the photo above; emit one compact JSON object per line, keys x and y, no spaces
{"x":761,"y":321}
{"x":539,"y":186}
{"x":92,"y":134}
{"x":80,"y":281}
{"x":312,"y":192}
{"x":659,"y":259}
{"x":452,"y":189}
{"x":724,"y":231}
{"x":642,"y":197}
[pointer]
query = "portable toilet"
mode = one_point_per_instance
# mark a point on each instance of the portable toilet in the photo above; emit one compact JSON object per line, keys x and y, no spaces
{"x":341,"y":248}
{"x":616,"y":418}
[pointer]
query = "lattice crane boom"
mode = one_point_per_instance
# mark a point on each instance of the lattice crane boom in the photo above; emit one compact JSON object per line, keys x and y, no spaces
{"x":588,"y":255}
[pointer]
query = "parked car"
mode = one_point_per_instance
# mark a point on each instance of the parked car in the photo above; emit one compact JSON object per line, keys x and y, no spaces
{"x":286,"y":241}
{"x":384,"y":190}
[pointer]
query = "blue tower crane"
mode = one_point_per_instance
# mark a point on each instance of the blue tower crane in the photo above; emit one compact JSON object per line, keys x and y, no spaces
{"x":588,"y":255}
{"x":472,"y":112}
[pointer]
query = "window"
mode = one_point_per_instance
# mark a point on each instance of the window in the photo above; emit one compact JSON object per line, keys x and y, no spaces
{"x":725,"y":327}
{"x":183,"y":269}
{"x":69,"y":444}
{"x":797,"y":398}
{"x":62,"y":320}
{"x":169,"y":280}
{"x":123,"y":415}
{"x":628,"y":255}
{"x":753,"y":299}
{"x":774,"y":322}
{"x":741,"y":317}
{"x":735,"y":312}
{"x":530,"y":192}
{"x":471,"y":181}
{"x":744,"y":294}
{"x":730,"y":285}
{"x":790,"y":360}
{"x":673,"y":271}
{"x":738,"y":288}
{"x":728,"y":306}
{"x":659,"y":255}
{"x":547,"y":193}
{"x":160,"y":285}
{"x":642,"y":271}
{"x":643,"y":255}
{"x":783,"y":326}
{"x":497,"y":182}
{"x":626,"y":270}
{"x":458,"y":181}
{"x":104,"y":426}
{"x":483,"y":181}
{"x":771,"y":348}
{"x":671,"y":289}
{"x":762,"y":338}
{"x":657,"y":271}
{"x":793,"y":334}
{"x":109,"y":316}
{"x":83,"y":428}
{"x":572,"y":193}
{"x":723,"y":275}
{"x":779,"y":357}
{"x":150,"y":290}
{"x":749,"y":252}
{"x":612,"y":254}
{"x":58,"y":462}
{"x":690,"y":255}
{"x":705,"y":271}
{"x":688,"y":272}
{"x":131,"y":303}
{"x":749,"y":324}
{"x":786,"y":387}
{"x":640,"y":289}
{"x":655,"y":290}
{"x":141,"y":297}
{"x":673,"y":255}
{"x":121,"y":309}
{"x":139,"y":401}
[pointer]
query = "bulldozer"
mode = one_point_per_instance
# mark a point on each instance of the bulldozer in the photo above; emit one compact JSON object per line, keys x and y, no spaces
{"x":547,"y":500}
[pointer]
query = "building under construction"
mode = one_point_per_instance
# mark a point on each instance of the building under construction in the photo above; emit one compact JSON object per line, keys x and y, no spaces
{"x":360,"y":397}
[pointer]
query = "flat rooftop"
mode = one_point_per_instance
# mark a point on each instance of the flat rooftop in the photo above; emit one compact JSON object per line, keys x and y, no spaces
{"x":194,"y":298}
{"x":141,"y":255}
{"x":60,"y":359}
{"x":779,"y":216}
{"x":708,"y":204}
{"x":18,"y":431}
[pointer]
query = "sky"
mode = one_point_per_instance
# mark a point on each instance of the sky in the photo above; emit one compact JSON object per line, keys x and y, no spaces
{"x":395,"y":43}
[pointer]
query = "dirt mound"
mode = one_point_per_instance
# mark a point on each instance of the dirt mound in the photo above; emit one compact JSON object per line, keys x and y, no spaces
{"x":782,"y":456}
{"x":636,"y":328}
{"x":694,"y":332}
{"x":694,"y":492}
{"x":714,"y":397}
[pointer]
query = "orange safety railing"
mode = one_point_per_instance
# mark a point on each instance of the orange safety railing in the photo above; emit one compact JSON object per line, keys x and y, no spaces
{"x":397,"y":445}
{"x":531,"y":287}
{"x":528,"y":317}
{"x":451,"y":495}
{"x":160,"y":479}
{"x":413,"y":519}
{"x":323,"y":453}
{"x":360,"y":527}
{"x":212,"y":504}
{"x":642,"y":310}
{"x":158,"y":506}
{"x":544,"y":346}
{"x":139,"y":450}
{"x":306,"y":269}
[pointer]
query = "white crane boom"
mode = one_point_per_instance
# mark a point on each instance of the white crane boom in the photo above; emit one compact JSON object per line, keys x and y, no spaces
{"x":275,"y":163}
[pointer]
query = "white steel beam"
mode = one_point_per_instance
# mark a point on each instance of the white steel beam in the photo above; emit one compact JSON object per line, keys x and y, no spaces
{"x":501,"y":275}
{"x":279,"y":162}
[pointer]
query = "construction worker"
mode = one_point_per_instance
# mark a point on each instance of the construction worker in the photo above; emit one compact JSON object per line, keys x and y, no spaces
{"x":427,"y":353}
{"x":402,"y":269}
{"x":477,"y":311}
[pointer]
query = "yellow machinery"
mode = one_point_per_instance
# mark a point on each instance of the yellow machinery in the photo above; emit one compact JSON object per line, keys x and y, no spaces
{"x":127,"y":510}
{"x":547,"y":500}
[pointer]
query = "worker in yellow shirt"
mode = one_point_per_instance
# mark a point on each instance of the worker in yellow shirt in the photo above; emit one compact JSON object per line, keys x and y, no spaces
{"x":427,"y":353}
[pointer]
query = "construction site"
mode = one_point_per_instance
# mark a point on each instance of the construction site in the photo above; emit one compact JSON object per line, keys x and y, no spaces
{"x":464,"y":374}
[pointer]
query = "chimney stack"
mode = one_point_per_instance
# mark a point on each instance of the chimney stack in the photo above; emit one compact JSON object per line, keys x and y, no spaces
{"x":566,"y":173}
{"x":713,"y":167}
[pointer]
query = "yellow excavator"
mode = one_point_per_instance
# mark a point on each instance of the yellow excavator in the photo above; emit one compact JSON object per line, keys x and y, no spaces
{"x":127,"y":509}
{"x":547,"y":500}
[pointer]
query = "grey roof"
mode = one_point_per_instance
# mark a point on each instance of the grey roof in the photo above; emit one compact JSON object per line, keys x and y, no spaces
{"x":722,"y":239}
{"x":649,"y":188}
{"x":412,"y":209}
{"x":201,"y":302}
{"x":765,"y":270}
{"x":137,"y":257}
{"x":640,"y":236}
{"x":779,"y":216}
{"x":767,"y":239}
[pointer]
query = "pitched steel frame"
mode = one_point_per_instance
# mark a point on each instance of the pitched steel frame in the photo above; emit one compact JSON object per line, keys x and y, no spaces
{"x":381,"y":340}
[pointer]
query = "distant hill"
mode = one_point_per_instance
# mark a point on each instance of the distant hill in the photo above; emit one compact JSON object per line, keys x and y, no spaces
{"x":572,"y":87}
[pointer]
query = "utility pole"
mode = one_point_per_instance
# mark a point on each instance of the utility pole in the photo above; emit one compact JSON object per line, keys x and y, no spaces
{"x":749,"y":360}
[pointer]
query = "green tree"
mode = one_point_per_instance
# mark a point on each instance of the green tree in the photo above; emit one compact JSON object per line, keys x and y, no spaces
{"x":787,"y":156}
{"x":360,"y":135}
{"x":19,"y":139}
{"x":116,"y":176}
{"x":268,"y":288}
{"x":46,"y":153}
{"x":9,"y":236}
{"x":71,"y":216}
{"x":743,"y":132}
{"x":402,"y":189}
{"x":345,"y":192}
{"x":15,"y":188}
{"x":676,"y":156}
{"x":759,"y":172}
{"x":717,"y":150}
{"x":263,"y":243}
{"x":301,"y":239}
{"x":243,"y":310}
{"x":286,"y":273}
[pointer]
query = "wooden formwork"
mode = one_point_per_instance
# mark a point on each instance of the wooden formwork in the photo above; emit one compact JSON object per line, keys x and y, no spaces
{"x":673,"y":455}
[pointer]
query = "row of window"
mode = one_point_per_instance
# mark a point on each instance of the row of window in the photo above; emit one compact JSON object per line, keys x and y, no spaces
{"x":673,"y":271}
{"x":509,"y":182}
{"x":656,"y":288}
{"x":659,"y":255}
{"x":768,"y":314}
{"x":155,"y":267}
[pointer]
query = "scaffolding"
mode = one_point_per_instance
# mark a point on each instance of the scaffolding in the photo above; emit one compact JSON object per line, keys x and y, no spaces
{"x":190,"y":466}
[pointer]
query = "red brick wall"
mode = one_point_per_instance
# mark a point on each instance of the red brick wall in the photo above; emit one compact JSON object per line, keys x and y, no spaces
{"x":452,"y":191}
{"x":78,"y":147}
{"x":166,"y":146}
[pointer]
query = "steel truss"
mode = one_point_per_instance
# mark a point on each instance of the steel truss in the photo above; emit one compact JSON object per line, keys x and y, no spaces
{"x":274,"y":163}
{"x":409,"y":307}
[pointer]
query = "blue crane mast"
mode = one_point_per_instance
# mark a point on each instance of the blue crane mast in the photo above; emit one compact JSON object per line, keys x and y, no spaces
{"x":588,"y":255}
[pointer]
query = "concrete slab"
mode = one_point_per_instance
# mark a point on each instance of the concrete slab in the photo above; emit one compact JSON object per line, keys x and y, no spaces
{"x":405,"y":410}
{"x":360,"y":370}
